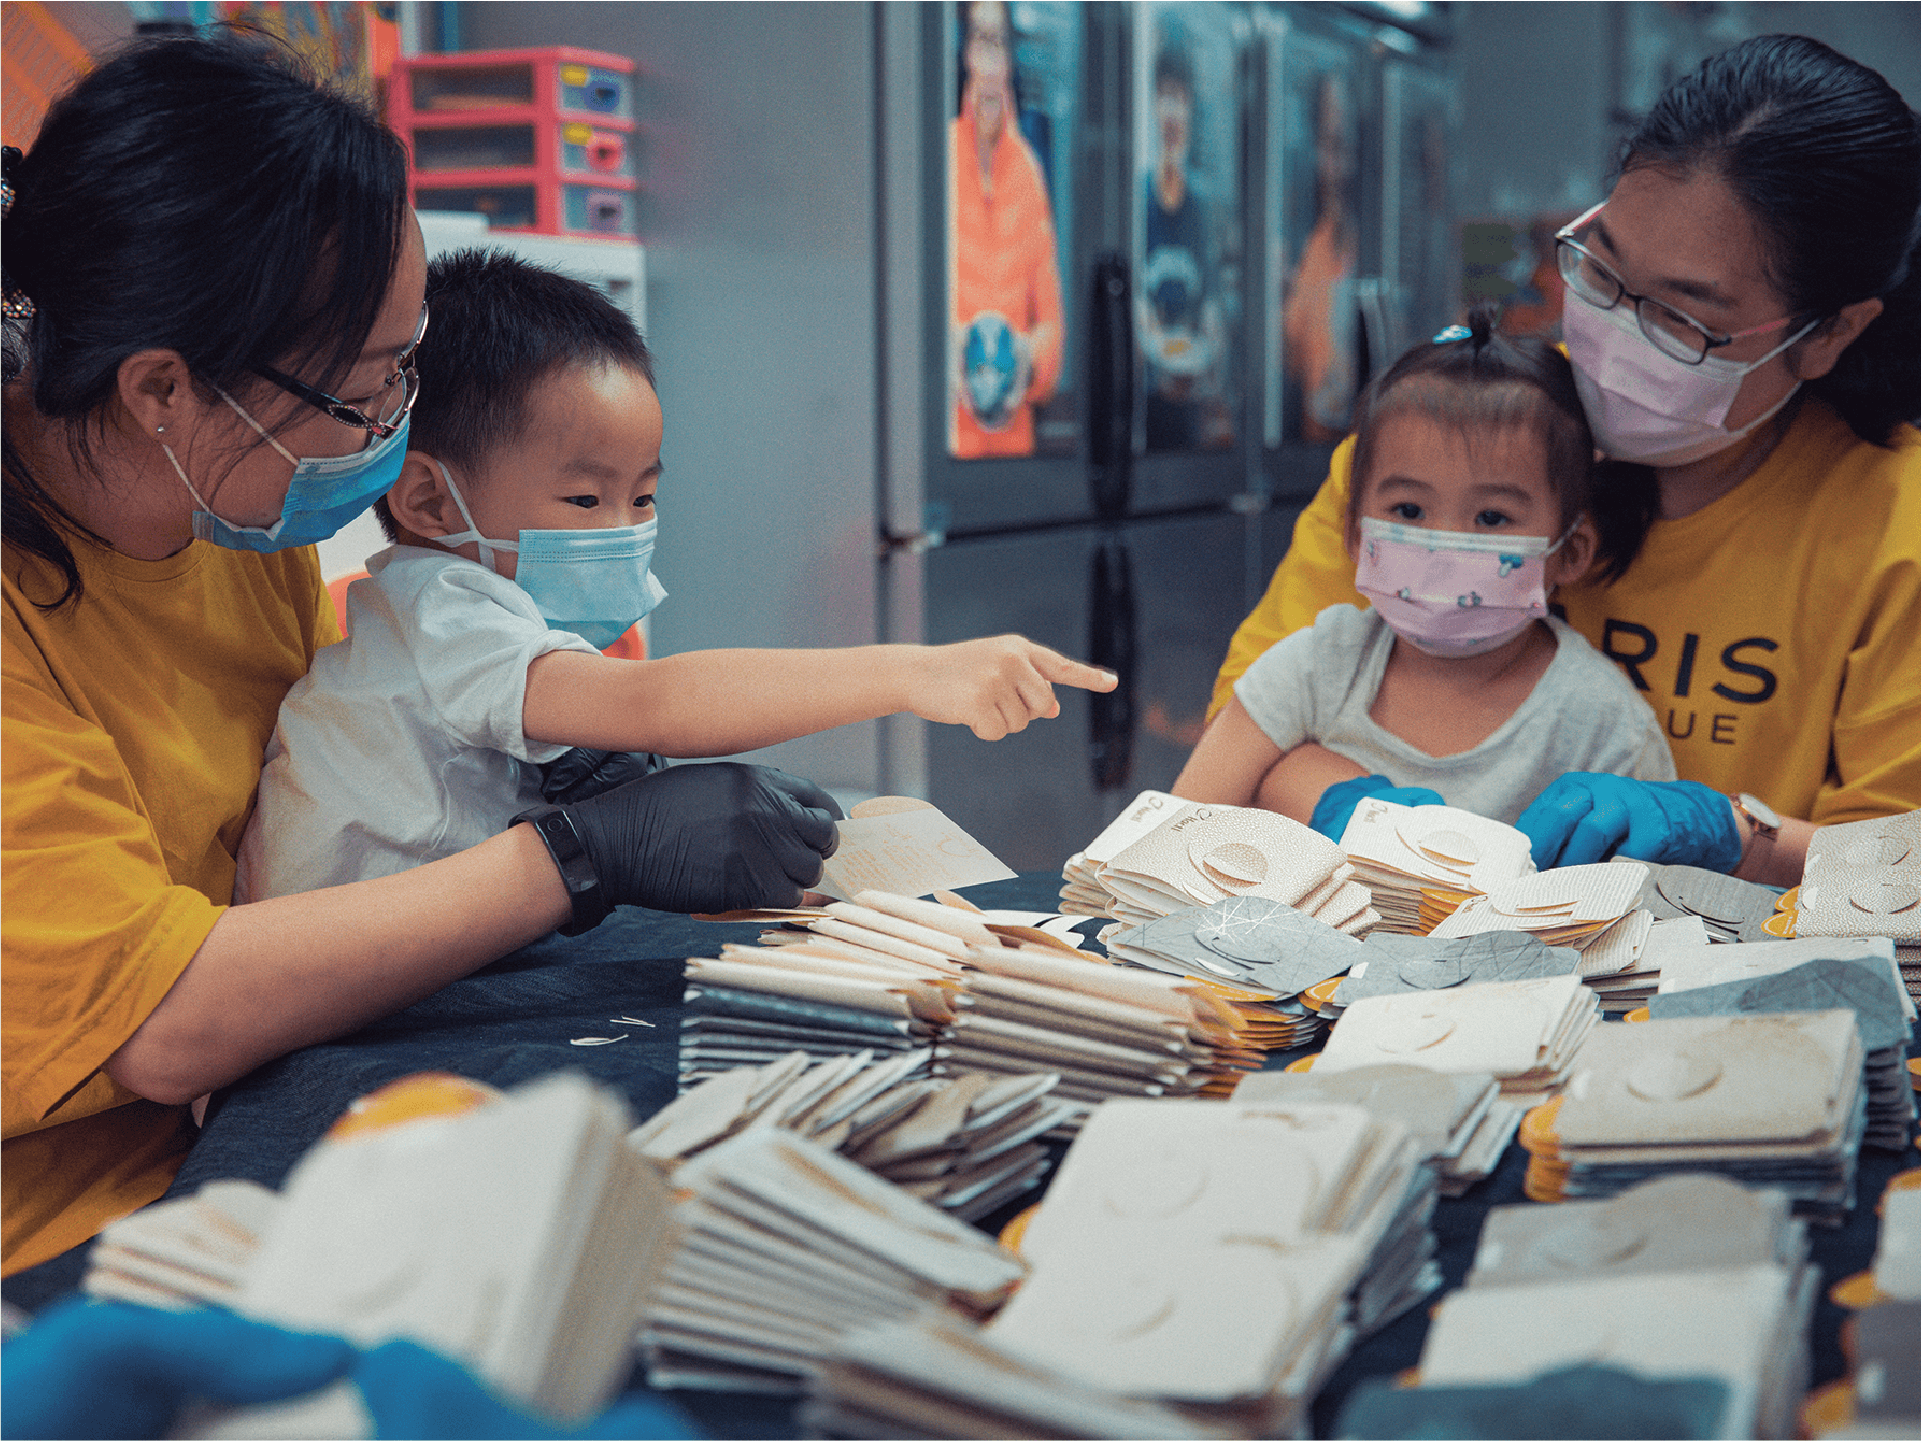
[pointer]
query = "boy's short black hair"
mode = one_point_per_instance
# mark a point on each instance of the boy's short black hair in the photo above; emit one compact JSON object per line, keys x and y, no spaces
{"x":1482,"y":378}
{"x":497,"y":327}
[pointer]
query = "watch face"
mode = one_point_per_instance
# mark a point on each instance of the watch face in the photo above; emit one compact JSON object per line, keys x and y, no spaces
{"x":1761,"y":811}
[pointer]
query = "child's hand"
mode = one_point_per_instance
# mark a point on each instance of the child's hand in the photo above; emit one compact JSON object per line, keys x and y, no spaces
{"x":995,"y":686}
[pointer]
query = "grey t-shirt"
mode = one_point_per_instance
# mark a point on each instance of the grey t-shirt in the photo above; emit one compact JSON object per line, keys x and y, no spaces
{"x":1583,"y":715}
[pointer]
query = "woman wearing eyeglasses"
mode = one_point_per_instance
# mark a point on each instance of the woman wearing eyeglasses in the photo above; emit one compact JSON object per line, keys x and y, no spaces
{"x":1743,"y":314}
{"x":213,"y":294}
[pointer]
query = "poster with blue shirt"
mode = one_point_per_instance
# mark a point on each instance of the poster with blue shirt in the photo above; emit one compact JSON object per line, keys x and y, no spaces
{"x":1188,"y":244}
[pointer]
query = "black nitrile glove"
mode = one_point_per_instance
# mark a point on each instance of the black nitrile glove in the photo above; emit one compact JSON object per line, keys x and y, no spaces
{"x":584,"y":772}
{"x":705,"y":838}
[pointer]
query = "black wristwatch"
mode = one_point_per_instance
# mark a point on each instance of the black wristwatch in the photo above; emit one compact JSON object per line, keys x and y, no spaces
{"x":556,"y":831}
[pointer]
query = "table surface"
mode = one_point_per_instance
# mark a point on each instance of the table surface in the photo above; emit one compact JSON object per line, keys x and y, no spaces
{"x":518,"y":1019}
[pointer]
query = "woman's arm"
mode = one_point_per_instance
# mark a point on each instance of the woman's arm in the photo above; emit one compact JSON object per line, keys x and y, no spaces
{"x":1777,"y":860}
{"x":724,"y":702}
{"x":280,"y":974}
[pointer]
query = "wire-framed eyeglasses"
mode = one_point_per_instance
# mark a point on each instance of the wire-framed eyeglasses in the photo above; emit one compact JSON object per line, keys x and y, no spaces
{"x":1672,"y":332}
{"x":397,"y":394}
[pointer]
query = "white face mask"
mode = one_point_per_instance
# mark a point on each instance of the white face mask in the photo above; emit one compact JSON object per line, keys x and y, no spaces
{"x":1648,"y":407}
{"x":595,"y":583}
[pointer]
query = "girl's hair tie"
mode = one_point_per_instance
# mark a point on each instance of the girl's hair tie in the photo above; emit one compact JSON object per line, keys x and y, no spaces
{"x":1452,"y":334}
{"x":10,"y":158}
{"x":15,"y":304}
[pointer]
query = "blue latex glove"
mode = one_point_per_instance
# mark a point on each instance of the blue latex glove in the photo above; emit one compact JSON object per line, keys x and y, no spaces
{"x":1585,"y":817}
{"x":412,"y":1392}
{"x":105,"y":1369}
{"x":102,"y":1368}
{"x":1335,"y":808}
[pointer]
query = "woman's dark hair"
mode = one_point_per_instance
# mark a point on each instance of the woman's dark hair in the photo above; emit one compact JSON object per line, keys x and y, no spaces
{"x":1471,"y":378}
{"x":501,"y":326}
{"x":203,"y":195}
{"x":1825,"y":157}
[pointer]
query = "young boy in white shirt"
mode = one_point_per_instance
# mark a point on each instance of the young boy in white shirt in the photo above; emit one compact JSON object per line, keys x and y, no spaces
{"x":524,"y":522}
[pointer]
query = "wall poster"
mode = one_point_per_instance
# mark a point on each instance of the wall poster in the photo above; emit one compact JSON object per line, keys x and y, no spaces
{"x":1188,"y":223}
{"x":1015,"y":93}
{"x":1314,"y":237}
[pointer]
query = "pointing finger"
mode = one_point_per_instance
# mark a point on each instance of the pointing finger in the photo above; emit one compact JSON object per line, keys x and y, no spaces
{"x":1060,"y":670}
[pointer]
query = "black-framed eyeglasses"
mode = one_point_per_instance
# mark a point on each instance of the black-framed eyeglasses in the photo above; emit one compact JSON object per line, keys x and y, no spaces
{"x":1672,"y":332}
{"x":397,"y":395}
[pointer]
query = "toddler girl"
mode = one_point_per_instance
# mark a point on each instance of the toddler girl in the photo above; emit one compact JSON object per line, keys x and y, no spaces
{"x":1473,"y":498}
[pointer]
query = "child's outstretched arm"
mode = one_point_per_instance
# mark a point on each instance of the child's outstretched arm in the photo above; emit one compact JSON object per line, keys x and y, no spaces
{"x":724,"y":702}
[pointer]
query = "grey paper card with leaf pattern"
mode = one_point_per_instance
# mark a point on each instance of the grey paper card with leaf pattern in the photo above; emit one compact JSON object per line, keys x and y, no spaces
{"x":1729,"y":908}
{"x":1823,"y":985}
{"x":1419,"y":963}
{"x":1249,"y":940}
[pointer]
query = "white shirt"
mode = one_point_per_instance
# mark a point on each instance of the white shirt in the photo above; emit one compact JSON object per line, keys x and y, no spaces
{"x":403,"y":743}
{"x":1582,"y":715}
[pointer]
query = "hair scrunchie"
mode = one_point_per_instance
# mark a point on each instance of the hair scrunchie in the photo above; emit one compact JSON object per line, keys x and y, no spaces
{"x":15,"y":303}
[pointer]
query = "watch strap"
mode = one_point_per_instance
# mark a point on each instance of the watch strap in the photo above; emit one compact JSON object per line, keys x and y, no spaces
{"x":556,"y":831}
{"x":1760,"y":817}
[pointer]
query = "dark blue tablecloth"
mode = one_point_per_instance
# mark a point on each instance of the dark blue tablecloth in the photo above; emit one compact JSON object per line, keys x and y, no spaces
{"x":518,"y":1018}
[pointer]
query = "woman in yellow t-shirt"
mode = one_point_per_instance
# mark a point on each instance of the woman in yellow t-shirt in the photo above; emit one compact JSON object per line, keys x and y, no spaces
{"x":1744,"y":318}
{"x":213,"y":288}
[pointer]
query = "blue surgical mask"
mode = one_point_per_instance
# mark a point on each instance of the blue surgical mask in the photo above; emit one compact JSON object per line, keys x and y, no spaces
{"x":594,"y":583}
{"x":325,"y":494}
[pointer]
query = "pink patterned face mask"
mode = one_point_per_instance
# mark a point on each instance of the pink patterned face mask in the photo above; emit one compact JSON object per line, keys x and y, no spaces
{"x":1454,"y":593}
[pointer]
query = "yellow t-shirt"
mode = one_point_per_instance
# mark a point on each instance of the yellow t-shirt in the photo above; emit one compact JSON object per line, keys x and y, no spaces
{"x":131,"y":732}
{"x":1776,"y":632}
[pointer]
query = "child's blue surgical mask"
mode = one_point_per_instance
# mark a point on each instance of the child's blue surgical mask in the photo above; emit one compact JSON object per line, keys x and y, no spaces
{"x":326,"y":493}
{"x":594,"y":583}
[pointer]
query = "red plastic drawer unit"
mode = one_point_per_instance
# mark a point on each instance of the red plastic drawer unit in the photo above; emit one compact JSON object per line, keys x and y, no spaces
{"x":538,"y":140}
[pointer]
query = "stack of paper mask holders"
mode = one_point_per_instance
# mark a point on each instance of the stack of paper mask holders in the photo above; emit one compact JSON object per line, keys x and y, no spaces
{"x":1458,"y":1123}
{"x":963,"y":1143}
{"x":1258,"y":955}
{"x":1772,"y":1100}
{"x":980,"y":997}
{"x":1525,"y":1033}
{"x":1164,"y":855}
{"x":877,"y":976}
{"x":934,"y":1376}
{"x":185,"y":1253}
{"x":1729,"y":909}
{"x":1688,"y":1278}
{"x":859,"y":977}
{"x":773,"y":1248}
{"x":1422,"y":863}
{"x":513,"y":1237}
{"x":1594,"y":909}
{"x":1214,"y":893}
{"x":1880,"y":1397}
{"x":1810,"y":974}
{"x":1690,"y":907}
{"x":1219,"y":1259}
{"x":1109,"y":1031}
{"x":1885,"y":1389}
{"x":1388,"y":964}
{"x":1863,"y":878}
